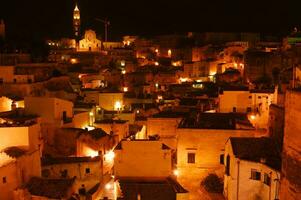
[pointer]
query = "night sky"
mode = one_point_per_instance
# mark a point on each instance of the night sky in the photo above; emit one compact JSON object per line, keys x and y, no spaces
{"x":53,"y":18}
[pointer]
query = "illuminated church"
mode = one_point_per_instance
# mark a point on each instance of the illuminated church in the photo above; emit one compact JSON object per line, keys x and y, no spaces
{"x":90,"y":41}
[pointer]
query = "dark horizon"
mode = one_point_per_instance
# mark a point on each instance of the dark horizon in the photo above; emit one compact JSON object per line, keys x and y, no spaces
{"x":36,"y":19}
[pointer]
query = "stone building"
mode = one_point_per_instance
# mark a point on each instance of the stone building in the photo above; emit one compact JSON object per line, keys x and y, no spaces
{"x":201,"y":140}
{"x":291,"y":156}
{"x":252,"y":169}
{"x":89,"y":42}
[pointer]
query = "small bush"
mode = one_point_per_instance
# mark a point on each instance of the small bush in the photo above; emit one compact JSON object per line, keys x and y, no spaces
{"x":213,"y":184}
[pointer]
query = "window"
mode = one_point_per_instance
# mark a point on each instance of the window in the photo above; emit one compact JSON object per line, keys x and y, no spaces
{"x":87,"y":170}
{"x":259,"y":97}
{"x":15,"y":80}
{"x":267,"y":179}
{"x":1,"y":80}
{"x":64,"y":173}
{"x":191,"y":158}
{"x":227,"y":168}
{"x":255,"y":175}
{"x":221,"y":159}
{"x":234,"y":109}
{"x":4,"y":180}
{"x":250,"y":97}
{"x":249,"y":109}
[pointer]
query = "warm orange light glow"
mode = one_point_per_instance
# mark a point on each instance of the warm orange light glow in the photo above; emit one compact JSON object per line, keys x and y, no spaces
{"x":122,"y":63}
{"x":156,"y":63}
{"x":182,"y":80}
{"x":108,"y":186}
{"x":169,"y":52}
{"x":81,"y":75}
{"x":156,"y":50}
{"x":110,"y":156}
{"x":73,"y":61}
{"x":176,"y":172}
{"x":90,"y":152}
{"x":125,"y":89}
{"x":123,"y":71}
{"x":117,"y":105}
{"x":176,"y":63}
{"x":253,"y":117}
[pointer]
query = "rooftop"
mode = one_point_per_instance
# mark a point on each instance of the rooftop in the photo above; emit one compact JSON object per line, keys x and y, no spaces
{"x":170,"y":114}
{"x":110,"y":121}
{"x":228,"y":121}
{"x":50,"y":188}
{"x":67,"y":160}
{"x":17,"y":118}
{"x":164,"y":189}
{"x":262,"y":150}
{"x":95,"y":133}
{"x":163,"y":146}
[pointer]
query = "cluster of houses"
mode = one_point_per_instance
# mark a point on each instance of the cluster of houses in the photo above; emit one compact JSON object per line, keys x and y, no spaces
{"x":152,"y":118}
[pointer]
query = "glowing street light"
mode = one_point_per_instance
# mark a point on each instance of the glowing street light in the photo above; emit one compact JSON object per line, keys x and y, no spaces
{"x":176,"y":172}
{"x":117,"y":105}
{"x":122,"y":63}
{"x":108,"y":186}
{"x":169,"y":52}
{"x":125,"y":89}
{"x":91,"y":153}
{"x":73,"y":60}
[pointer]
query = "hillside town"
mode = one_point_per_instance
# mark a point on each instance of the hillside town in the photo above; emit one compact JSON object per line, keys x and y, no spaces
{"x":190,"y":116}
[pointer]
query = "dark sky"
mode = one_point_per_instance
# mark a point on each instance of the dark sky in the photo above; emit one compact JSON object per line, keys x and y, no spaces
{"x":53,"y":18}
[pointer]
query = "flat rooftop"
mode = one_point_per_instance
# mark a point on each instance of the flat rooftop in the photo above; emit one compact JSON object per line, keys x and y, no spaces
{"x":228,"y":121}
{"x":149,"y":189}
{"x":170,"y":114}
{"x":17,"y":118}
{"x":45,"y":161}
{"x":262,"y":150}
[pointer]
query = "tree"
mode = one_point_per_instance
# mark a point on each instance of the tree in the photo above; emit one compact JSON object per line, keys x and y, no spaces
{"x":213,"y":184}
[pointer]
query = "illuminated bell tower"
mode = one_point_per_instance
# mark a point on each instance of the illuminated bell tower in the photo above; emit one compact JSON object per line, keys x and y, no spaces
{"x":76,"y":22}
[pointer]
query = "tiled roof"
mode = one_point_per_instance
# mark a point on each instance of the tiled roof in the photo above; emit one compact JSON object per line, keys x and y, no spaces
{"x":262,"y":150}
{"x":96,"y":133}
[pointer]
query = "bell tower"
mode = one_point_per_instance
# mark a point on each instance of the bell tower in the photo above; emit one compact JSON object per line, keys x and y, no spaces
{"x":76,"y":22}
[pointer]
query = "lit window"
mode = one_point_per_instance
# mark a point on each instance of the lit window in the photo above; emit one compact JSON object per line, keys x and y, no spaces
{"x":255,"y":175}
{"x":191,"y":158}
